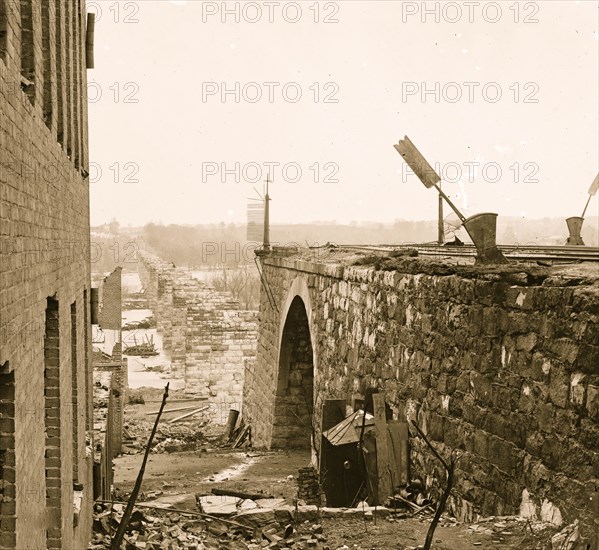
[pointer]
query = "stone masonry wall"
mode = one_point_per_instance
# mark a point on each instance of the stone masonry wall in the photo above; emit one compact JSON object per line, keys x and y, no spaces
{"x":502,"y":365}
{"x":109,"y":315}
{"x":209,"y":338}
{"x":44,"y":258}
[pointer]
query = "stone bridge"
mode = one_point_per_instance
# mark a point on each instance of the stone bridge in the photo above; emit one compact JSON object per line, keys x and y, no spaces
{"x":209,"y":338}
{"x":500,"y":363}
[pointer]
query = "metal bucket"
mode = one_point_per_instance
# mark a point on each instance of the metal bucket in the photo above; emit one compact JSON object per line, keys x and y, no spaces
{"x":482,"y":229}
{"x":574,"y":228}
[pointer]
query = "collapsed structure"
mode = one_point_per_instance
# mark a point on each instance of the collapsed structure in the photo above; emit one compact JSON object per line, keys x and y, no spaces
{"x":45,"y":374}
{"x":110,"y":375}
{"x":210,"y":340}
{"x":499,"y":363}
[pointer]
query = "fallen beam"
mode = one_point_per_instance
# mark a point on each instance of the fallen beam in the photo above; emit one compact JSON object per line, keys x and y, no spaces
{"x":118,"y":537}
{"x":239,"y":494}
{"x":187,"y":408}
{"x":196,"y":411}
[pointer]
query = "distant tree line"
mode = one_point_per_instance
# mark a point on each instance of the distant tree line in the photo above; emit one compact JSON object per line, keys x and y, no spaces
{"x":218,"y":246}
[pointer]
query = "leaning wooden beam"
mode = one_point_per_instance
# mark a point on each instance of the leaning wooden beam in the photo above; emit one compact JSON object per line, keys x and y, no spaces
{"x":196,"y":411}
{"x":118,"y":537}
{"x":450,"y":468}
{"x":242,"y":436}
{"x":187,"y":408}
{"x":382,"y":449}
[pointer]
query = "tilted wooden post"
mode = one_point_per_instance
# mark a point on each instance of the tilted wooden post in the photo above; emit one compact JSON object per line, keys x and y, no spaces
{"x":382,"y":448}
{"x":118,"y":537}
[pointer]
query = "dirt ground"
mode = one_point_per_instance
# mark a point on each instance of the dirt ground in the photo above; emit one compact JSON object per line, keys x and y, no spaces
{"x":410,"y":532}
{"x":206,"y":467}
{"x":194,"y":472}
{"x":211,"y":466}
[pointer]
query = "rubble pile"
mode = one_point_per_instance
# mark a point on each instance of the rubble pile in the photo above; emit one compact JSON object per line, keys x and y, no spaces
{"x":147,"y":322}
{"x":248,"y":529}
{"x":411,"y":496}
{"x":500,"y":527}
{"x":169,"y":438}
{"x":146,"y":348}
{"x":101,"y":392}
{"x":136,"y":300}
{"x":148,"y":530}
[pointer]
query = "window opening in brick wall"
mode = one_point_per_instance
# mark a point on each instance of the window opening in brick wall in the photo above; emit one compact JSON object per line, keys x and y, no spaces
{"x":58,"y":16}
{"x":76,"y":24}
{"x":86,"y":369}
{"x":7,"y":459}
{"x":68,"y":78}
{"x":52,"y":423}
{"x":74,"y":398}
{"x":27,"y":50}
{"x":3,"y":29}
{"x":47,"y":101}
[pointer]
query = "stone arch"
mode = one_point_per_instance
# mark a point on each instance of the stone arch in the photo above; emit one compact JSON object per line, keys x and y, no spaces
{"x":294,"y":397}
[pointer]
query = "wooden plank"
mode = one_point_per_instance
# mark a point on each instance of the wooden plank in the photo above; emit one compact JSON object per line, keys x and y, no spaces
{"x":382,"y":451}
{"x":187,"y":408}
{"x":370,"y":460}
{"x":333,"y":412}
{"x":394,"y":453}
{"x":243,"y":435}
{"x":239,"y":494}
{"x":398,"y":434}
{"x":196,"y":411}
{"x":405,"y":453}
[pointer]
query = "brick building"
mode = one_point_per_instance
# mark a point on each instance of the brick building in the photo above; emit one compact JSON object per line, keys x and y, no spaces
{"x":45,"y":374}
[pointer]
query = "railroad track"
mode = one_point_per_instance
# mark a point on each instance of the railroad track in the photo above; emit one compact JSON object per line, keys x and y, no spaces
{"x":553,"y":254}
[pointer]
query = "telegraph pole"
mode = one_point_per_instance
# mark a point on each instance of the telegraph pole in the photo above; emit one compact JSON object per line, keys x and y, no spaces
{"x":266,"y":243}
{"x":441,"y":230}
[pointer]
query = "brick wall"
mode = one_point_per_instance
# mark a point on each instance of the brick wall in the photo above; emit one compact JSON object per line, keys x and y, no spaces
{"x":501,"y":365}
{"x":52,"y":416}
{"x":44,"y":253}
{"x":7,"y":459}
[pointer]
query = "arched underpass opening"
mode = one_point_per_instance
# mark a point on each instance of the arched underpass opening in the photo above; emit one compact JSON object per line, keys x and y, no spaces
{"x":294,"y":400}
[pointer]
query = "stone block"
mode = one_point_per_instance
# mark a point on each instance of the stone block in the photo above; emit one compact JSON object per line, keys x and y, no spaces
{"x":258,"y":517}
{"x":592,"y":403}
{"x":520,"y":297}
{"x":559,"y":387}
{"x":526,"y":342}
{"x":587,"y":359}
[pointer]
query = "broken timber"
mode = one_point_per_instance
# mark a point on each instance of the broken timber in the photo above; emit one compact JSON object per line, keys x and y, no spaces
{"x":196,"y":411}
{"x":118,"y":537}
{"x":242,"y":436}
{"x":239,"y":494}
{"x":382,"y":449}
{"x":178,"y":409}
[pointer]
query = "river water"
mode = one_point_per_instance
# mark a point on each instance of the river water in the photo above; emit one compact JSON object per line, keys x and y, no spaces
{"x":138,"y":376}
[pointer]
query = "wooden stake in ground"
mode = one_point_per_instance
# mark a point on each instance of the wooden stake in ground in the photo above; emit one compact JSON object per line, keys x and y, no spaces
{"x":450,"y":468}
{"x":382,"y":450}
{"x":118,"y":537}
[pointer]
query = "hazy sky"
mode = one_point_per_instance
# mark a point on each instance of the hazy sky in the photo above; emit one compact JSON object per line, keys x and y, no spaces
{"x":161,"y":131}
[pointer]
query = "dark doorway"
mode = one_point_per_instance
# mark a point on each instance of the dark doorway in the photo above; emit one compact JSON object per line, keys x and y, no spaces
{"x":294,"y":399}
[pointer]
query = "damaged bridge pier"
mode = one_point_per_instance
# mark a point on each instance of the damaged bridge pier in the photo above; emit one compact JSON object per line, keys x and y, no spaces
{"x":498,"y":362}
{"x":210,"y":339}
